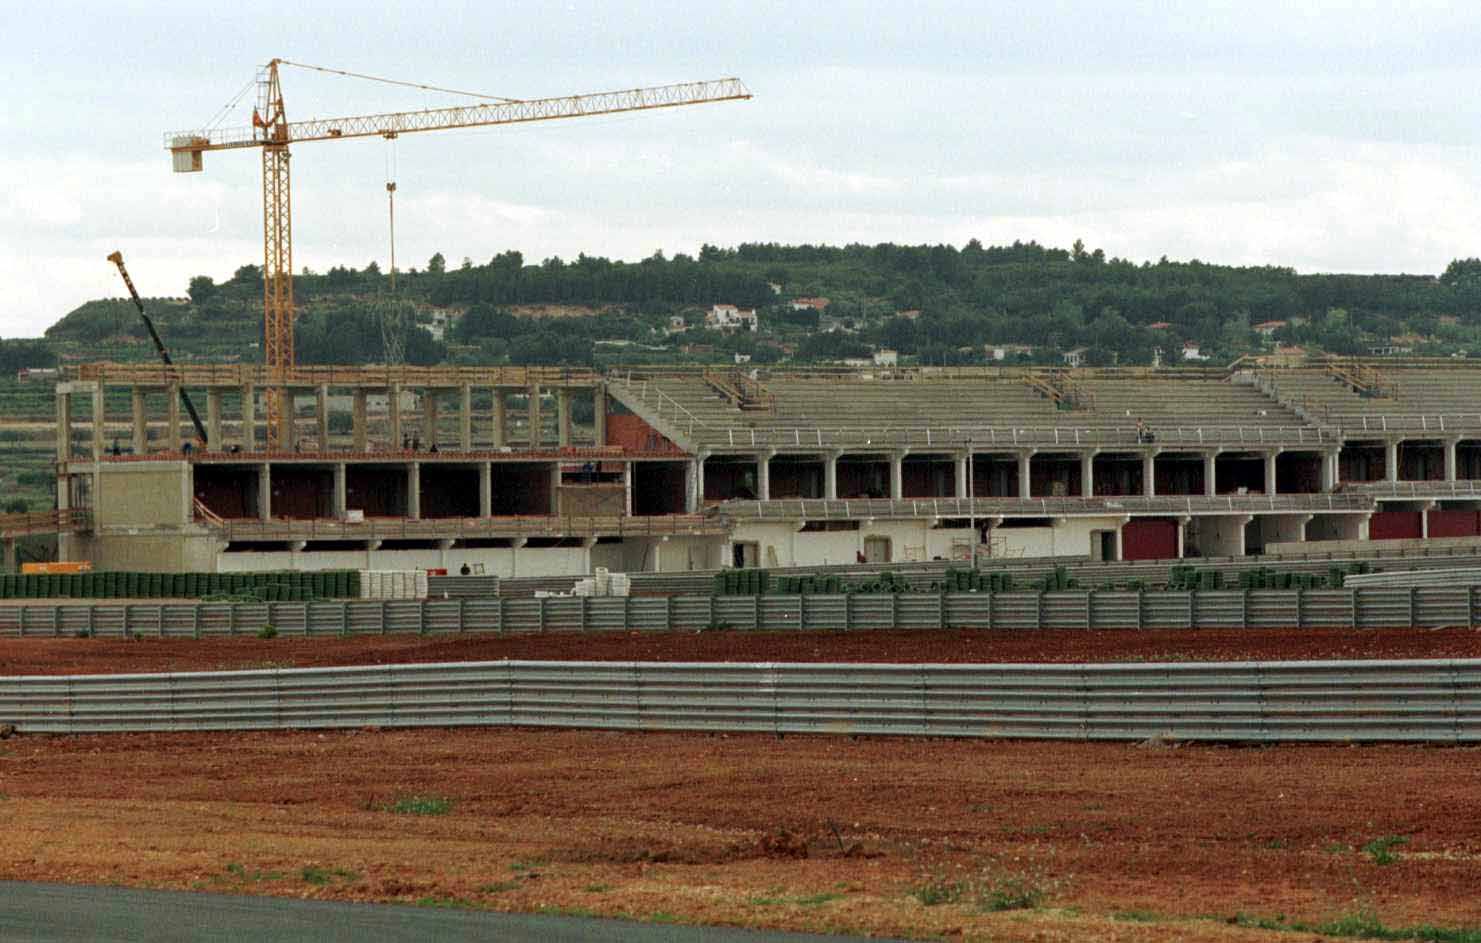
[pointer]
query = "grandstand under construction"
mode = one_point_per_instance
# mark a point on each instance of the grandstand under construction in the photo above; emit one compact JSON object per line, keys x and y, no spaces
{"x":524,"y":471}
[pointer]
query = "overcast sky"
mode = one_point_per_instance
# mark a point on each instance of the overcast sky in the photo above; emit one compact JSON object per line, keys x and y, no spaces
{"x":1328,"y":137}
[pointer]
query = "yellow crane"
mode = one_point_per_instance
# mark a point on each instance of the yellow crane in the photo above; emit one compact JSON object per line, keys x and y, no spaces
{"x":272,"y":133}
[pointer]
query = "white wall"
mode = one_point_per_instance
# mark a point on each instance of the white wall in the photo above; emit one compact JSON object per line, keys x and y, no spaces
{"x":1066,"y":537}
{"x":497,"y":561}
{"x":1215,"y":536}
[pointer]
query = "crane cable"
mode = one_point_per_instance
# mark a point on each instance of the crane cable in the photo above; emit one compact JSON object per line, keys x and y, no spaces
{"x":376,"y":78}
{"x":391,"y":203}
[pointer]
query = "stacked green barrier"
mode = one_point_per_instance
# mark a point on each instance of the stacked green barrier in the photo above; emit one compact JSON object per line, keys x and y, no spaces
{"x":1185,"y":577}
{"x":272,"y":587}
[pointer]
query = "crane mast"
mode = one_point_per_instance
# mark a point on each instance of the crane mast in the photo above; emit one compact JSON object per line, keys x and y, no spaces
{"x":273,"y":133}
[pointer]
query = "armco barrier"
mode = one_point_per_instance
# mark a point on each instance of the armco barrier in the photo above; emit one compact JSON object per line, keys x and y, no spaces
{"x":1383,"y":607}
{"x":1427,"y":701}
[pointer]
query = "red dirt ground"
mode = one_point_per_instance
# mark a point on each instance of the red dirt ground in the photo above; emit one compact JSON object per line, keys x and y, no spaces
{"x":95,"y":656}
{"x":1120,"y":842}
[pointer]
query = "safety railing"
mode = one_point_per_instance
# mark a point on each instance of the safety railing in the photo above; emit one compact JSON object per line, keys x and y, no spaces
{"x":400,"y":528}
{"x":45,"y":522}
{"x":1421,"y":701}
{"x":864,"y":508}
{"x":985,"y":438}
{"x":1380,"y":607}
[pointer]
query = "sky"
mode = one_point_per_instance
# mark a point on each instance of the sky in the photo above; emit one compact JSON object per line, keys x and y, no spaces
{"x":1321,"y":136}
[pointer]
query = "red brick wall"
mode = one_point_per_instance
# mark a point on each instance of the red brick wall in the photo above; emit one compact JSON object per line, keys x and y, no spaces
{"x":635,"y":435}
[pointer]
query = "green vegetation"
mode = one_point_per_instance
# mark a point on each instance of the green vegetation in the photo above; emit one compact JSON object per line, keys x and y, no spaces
{"x":988,"y":889}
{"x":313,"y":874}
{"x":499,"y":887}
{"x":1050,"y":299}
{"x":1363,"y":925}
{"x":420,"y":805}
{"x":807,"y":900}
{"x":267,"y":632}
{"x":1381,"y":850}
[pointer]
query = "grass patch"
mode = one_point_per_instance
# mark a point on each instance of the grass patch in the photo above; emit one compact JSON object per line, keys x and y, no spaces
{"x":236,"y":871}
{"x":597,"y":888}
{"x":526,"y":864}
{"x":267,"y":632}
{"x":420,"y":805}
{"x":313,"y":874}
{"x":1137,"y":916}
{"x":988,"y":889}
{"x":445,"y":903}
{"x":662,"y":916}
{"x":809,"y":900}
{"x":1363,"y":925}
{"x":498,"y":887}
{"x":1381,"y":850}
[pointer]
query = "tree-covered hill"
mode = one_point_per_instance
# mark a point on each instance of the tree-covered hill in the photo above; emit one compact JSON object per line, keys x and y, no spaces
{"x":1025,"y":294}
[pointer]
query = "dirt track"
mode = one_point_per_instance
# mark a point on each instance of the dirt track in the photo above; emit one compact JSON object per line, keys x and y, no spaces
{"x":94,"y":656}
{"x":1123,"y":842}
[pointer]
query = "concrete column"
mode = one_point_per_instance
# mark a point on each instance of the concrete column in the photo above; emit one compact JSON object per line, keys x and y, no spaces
{"x":213,"y":419}
{"x":535,"y":434}
{"x":1450,"y":459}
{"x":172,"y":413}
{"x":485,"y":489}
{"x":322,"y":405}
{"x":465,"y":418}
{"x":360,"y":420}
{"x":9,"y":554}
{"x":1424,"y":518}
{"x":341,"y":491}
{"x":99,"y":418}
{"x":249,"y":419}
{"x":287,"y":420}
{"x":1182,"y":533}
{"x":64,"y":426}
{"x":141,"y":422}
{"x":830,"y":476}
{"x":1149,"y":483}
{"x":763,"y":476}
{"x":393,"y":413}
{"x":563,"y":416}
{"x":414,"y":490}
{"x":897,"y":476}
{"x":500,"y":426}
{"x":627,"y":487}
{"x":1087,"y":487}
{"x":431,"y":413}
{"x":693,"y":476}
{"x":1270,"y":472}
{"x":555,"y":488}
{"x":1210,"y":479}
{"x":959,"y":474}
{"x":1391,"y":461}
{"x":599,"y":412}
{"x":265,"y":492}
{"x":1330,"y":466}
{"x":1025,"y":476}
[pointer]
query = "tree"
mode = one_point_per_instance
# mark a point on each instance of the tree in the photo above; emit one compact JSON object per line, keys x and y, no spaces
{"x":202,"y":289}
{"x":247,"y":274}
{"x":436,"y":265}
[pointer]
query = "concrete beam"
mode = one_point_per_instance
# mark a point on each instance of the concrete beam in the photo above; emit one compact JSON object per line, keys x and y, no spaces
{"x":465,"y":418}
{"x":360,"y":421}
{"x":393,"y":413}
{"x":141,"y":426}
{"x":213,"y":418}
{"x":599,"y":412}
{"x":64,"y":426}
{"x":500,"y":431}
{"x":99,"y":421}
{"x":172,"y":413}
{"x":534,"y":420}
{"x":431,"y":414}
{"x":563,"y":416}
{"x":321,"y":405}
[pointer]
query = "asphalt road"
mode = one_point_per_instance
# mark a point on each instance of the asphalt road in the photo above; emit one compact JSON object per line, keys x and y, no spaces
{"x":74,"y":913}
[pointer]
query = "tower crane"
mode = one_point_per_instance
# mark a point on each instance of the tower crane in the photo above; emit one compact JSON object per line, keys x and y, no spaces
{"x":271,"y":132}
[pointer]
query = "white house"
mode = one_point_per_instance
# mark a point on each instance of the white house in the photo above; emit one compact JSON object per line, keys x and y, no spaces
{"x":730,"y":318}
{"x":885,"y":357}
{"x":1191,"y":351}
{"x":1076,"y":357}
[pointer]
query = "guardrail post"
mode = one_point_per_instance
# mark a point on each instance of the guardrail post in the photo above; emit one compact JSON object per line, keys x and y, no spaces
{"x":1141,"y":609}
{"x":462,"y":615}
{"x":1471,"y":607}
{"x":848,"y":611}
{"x":195,"y":620}
{"x":231,"y":619}
{"x":991,"y":603}
{"x":21,"y":622}
{"x":1089,"y":607}
{"x":1244,"y":610}
{"x":540,"y":625}
{"x":385,"y":616}
{"x":1192,"y":609}
{"x":585,"y":615}
{"x":894,"y":610}
{"x":668,"y":613}
{"x":499,"y":615}
{"x":1413,"y":606}
{"x":1352,"y":606}
{"x":1039,"y":610}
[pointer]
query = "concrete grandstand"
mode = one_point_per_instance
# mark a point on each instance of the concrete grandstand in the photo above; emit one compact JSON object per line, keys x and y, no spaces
{"x":521,"y":471}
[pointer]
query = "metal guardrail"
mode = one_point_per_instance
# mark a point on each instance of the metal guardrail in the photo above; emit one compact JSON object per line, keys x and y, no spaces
{"x":1428,"y":701}
{"x":1464,"y":576}
{"x":400,"y":528}
{"x":854,"y":508}
{"x":1422,"y":607}
{"x":45,"y":522}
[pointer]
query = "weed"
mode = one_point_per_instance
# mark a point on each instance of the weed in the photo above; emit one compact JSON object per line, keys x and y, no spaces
{"x":83,"y":633}
{"x":267,"y":632}
{"x":1137,"y":916}
{"x":499,"y":887}
{"x":1381,"y":850}
{"x":662,"y":916}
{"x":420,"y":805}
{"x":237,"y":872}
{"x":1276,"y":844}
{"x":988,"y":889}
{"x":597,"y":888}
{"x":448,"y":903}
{"x":313,"y":874}
{"x":1337,"y":848}
{"x":1363,"y":925}
{"x":526,"y":864}
{"x":558,"y":911}
{"x":809,"y":900}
